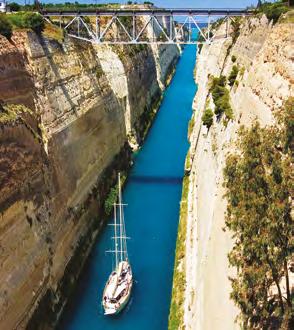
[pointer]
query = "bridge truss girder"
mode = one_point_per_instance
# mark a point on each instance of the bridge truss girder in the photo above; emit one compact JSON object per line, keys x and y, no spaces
{"x":169,"y":29}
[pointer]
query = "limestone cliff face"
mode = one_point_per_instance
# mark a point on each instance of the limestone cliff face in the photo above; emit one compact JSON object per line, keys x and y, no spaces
{"x":78,"y":107}
{"x":264,"y":54}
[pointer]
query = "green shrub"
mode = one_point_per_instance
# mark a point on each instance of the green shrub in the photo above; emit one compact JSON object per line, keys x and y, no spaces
{"x":233,"y":75}
{"x":218,"y":92}
{"x":112,"y":197}
{"x":242,"y":71}
{"x":222,"y":104}
{"x":234,"y":58}
{"x":17,"y":20}
{"x":34,"y":21}
{"x":27,"y":20}
{"x":110,"y":200}
{"x":273,"y":11}
{"x":5,"y":27}
{"x":14,"y":6}
{"x":207,"y":118}
{"x":221,"y":97}
{"x":229,"y":112}
{"x":218,"y":81}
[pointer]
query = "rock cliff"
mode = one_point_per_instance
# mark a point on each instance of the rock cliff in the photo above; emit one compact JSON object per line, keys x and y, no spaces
{"x":264,"y":55}
{"x":70,"y":114}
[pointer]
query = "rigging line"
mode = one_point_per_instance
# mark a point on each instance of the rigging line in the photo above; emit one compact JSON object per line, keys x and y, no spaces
{"x":124,"y":237}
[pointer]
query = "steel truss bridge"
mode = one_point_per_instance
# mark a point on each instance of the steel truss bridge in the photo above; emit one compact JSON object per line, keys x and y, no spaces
{"x":143,"y":26}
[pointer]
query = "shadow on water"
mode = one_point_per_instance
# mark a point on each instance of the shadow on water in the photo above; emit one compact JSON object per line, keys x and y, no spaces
{"x":156,"y":179}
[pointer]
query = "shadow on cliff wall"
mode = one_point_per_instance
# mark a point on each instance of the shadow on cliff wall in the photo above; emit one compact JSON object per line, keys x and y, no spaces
{"x":111,"y":108}
{"x":54,"y":68}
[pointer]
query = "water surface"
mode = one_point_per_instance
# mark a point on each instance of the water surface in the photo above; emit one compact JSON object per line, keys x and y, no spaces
{"x":153,"y":193}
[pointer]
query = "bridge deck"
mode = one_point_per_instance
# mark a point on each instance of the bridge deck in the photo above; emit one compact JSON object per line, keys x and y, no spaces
{"x":146,"y":12}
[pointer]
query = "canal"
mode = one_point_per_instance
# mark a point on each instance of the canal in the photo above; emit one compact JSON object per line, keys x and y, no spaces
{"x":153,"y":194}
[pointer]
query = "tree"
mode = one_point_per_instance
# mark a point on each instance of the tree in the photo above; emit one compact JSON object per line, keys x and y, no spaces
{"x":5,"y":27}
{"x":234,"y":58}
{"x":14,"y":6}
{"x":273,"y":11}
{"x":221,"y":97}
{"x":207,"y":118}
{"x":259,"y":185}
{"x":233,"y":75}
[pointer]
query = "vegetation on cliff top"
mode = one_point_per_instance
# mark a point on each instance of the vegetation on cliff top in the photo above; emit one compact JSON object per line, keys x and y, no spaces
{"x":273,"y":11}
{"x":259,"y":182}
{"x":70,"y":6}
{"x":27,"y":20}
{"x":5,"y":26}
{"x":59,"y":6}
{"x":20,"y":20}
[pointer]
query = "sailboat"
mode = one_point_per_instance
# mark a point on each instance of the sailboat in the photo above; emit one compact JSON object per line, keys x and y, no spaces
{"x":118,"y":288}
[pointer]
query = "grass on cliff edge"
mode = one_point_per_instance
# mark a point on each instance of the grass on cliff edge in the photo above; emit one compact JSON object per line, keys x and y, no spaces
{"x":176,"y":314}
{"x":53,"y":32}
{"x":26,"y":20}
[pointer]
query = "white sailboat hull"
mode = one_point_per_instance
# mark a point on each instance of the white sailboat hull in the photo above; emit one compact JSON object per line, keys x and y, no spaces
{"x":118,"y":289}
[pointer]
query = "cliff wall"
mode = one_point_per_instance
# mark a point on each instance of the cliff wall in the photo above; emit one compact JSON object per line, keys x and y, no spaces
{"x":264,"y":54}
{"x":71,"y":113}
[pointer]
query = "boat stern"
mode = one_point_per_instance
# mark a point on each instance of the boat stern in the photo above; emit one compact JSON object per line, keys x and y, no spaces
{"x":110,"y":311}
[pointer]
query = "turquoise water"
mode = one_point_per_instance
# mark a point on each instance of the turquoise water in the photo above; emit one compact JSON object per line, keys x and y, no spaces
{"x":153,"y":194}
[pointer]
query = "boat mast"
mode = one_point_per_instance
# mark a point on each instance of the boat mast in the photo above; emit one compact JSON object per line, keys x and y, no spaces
{"x":120,"y":218}
{"x":115,"y":237}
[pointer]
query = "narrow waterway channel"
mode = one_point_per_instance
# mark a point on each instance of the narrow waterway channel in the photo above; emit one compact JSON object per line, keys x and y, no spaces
{"x":153,"y":194}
